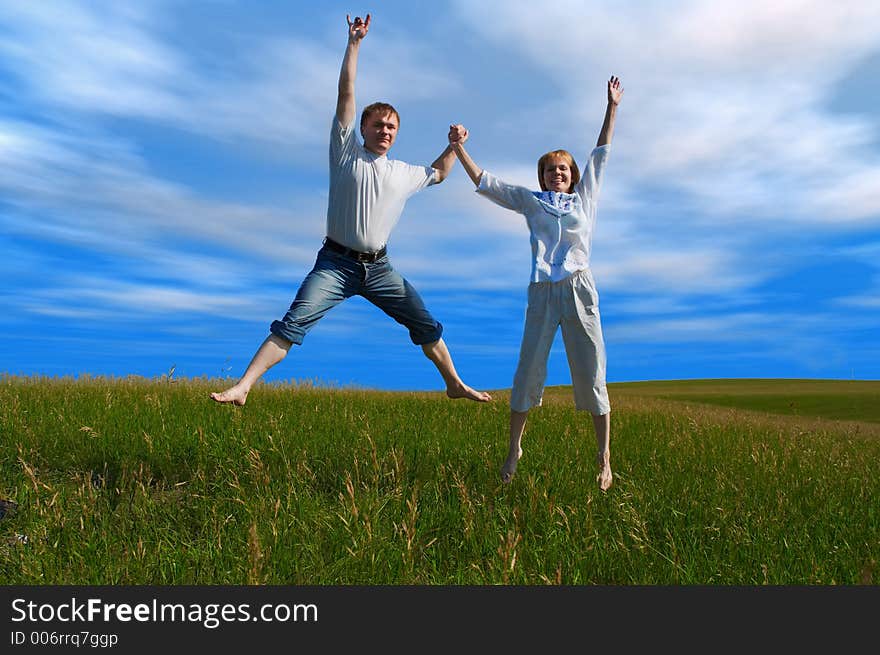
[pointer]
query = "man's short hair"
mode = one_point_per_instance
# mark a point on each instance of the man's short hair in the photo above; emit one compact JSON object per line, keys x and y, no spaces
{"x":560,"y":154}
{"x":382,"y":107}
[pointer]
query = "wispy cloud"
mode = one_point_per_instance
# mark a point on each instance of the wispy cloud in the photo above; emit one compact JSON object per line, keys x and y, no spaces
{"x":111,"y":59}
{"x":726,"y":101}
{"x":92,"y":57}
{"x":92,"y":189}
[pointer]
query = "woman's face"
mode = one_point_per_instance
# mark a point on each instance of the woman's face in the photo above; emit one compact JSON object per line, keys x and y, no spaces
{"x":557,"y":175}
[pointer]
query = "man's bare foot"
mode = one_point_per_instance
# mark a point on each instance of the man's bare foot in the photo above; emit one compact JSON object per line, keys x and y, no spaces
{"x":509,"y":468}
{"x":603,"y":460}
{"x":235,"y":395}
{"x":464,"y":391}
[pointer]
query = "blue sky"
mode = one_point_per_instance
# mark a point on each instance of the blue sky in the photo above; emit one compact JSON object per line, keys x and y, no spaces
{"x":163,"y":183}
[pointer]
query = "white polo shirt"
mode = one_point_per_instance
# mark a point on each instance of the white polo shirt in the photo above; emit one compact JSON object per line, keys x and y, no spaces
{"x":561,"y":224}
{"x":367,"y":191}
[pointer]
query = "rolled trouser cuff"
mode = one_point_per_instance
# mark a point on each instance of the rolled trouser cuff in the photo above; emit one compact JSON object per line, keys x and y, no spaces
{"x":423,"y":338}
{"x":291,"y":334}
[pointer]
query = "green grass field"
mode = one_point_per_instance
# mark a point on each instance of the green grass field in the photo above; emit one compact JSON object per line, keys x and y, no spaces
{"x":738,"y":482}
{"x":829,"y":399}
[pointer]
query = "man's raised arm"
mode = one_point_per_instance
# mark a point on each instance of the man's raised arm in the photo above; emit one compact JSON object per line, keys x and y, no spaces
{"x":345,"y":104}
{"x":444,"y":163}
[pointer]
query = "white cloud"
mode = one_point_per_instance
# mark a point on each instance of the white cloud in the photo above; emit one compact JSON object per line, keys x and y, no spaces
{"x":856,"y":196}
{"x":92,"y":57}
{"x":89,"y":189}
{"x":649,"y":269}
{"x":106,"y":59}
{"x":95,"y":298}
{"x":693,"y":329}
{"x":724,"y":100}
{"x":778,"y":331}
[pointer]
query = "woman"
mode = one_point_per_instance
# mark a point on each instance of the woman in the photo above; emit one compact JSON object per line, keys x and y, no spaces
{"x":560,"y":218}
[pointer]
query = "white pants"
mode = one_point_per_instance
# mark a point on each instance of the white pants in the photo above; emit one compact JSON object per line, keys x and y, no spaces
{"x":572,"y":303}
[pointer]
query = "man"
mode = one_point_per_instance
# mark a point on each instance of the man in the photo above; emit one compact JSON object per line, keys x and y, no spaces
{"x":367,"y":195}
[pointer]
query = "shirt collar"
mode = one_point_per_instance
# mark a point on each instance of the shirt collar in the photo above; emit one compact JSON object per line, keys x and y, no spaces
{"x":562,"y":201}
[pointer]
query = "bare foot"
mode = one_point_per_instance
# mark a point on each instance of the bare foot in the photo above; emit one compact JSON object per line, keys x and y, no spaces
{"x":509,"y":468}
{"x":464,"y":391}
{"x":603,"y":460}
{"x":235,"y":395}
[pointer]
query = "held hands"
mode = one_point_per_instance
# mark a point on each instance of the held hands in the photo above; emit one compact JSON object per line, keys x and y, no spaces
{"x":358,"y":29}
{"x":458,"y":134}
{"x":615,"y":91}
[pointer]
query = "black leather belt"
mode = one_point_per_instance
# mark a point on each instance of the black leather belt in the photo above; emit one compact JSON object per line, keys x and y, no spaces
{"x":357,"y":255}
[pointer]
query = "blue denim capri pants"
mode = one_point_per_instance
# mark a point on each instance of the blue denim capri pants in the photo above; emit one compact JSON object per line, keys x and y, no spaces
{"x":336,"y":277}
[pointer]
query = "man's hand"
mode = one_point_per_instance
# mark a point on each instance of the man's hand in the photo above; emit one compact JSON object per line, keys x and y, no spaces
{"x":358,"y":29}
{"x":615,"y":91}
{"x":458,"y":134}
{"x":345,"y":107}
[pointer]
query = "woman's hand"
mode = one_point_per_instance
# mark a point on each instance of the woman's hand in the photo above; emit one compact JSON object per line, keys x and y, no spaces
{"x":615,"y":91}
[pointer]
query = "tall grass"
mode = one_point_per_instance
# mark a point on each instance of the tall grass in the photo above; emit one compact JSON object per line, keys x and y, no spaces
{"x":129,"y":481}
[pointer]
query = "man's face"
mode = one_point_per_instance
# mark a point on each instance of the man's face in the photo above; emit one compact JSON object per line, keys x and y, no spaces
{"x":379,"y":132}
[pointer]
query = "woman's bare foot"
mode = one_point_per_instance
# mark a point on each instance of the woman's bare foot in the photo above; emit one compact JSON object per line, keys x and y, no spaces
{"x":509,"y":468}
{"x":603,"y":460}
{"x":461,"y":390}
{"x":235,"y":395}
